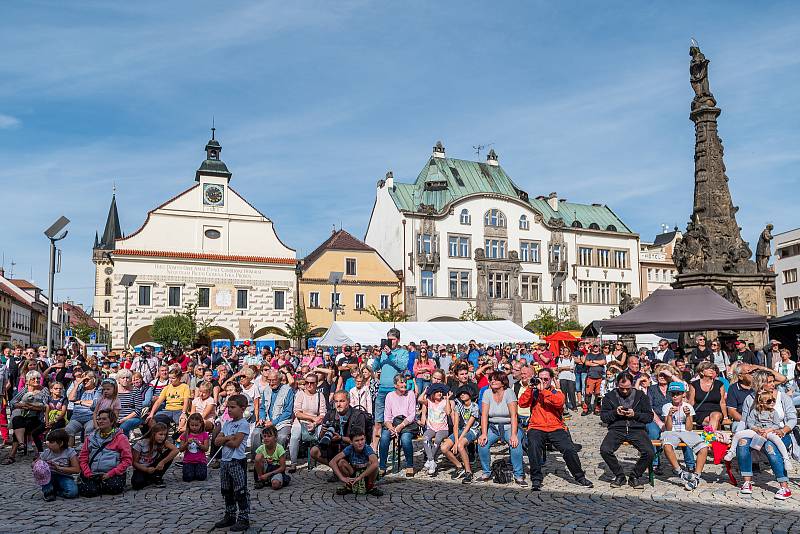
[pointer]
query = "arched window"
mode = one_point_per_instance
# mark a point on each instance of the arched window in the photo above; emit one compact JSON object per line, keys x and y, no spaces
{"x":494,"y":217}
{"x":611,"y":228}
{"x":576,"y":224}
{"x":108,"y":287}
{"x":524,"y":223}
{"x":465,"y":217}
{"x":107,"y":306}
{"x":594,"y":226}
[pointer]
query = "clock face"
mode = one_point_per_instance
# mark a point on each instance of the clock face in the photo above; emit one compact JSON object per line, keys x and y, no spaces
{"x":213,"y":195}
{"x":109,"y":270}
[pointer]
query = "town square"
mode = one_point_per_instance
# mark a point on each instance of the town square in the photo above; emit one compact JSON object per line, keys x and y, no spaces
{"x":373,"y":267}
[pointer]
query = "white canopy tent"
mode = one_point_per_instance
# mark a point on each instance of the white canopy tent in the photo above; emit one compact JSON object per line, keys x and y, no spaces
{"x":448,"y":332}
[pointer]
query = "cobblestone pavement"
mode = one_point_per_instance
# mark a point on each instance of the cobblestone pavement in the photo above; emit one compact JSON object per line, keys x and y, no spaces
{"x":421,"y":504}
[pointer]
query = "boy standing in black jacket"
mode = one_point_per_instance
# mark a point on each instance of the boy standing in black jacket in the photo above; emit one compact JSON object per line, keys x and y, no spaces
{"x":626,"y":411}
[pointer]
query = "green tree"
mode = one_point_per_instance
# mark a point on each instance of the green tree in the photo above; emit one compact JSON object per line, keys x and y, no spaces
{"x":177,"y":327}
{"x":472,"y":314}
{"x":83,"y":330}
{"x":299,"y":329}
{"x":545,"y":322}
{"x":391,"y":315}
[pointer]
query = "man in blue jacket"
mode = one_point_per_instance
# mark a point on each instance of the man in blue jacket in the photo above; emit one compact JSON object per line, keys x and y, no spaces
{"x":392,"y":360}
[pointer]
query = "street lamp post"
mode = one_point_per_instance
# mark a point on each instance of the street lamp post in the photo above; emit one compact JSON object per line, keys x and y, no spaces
{"x":126,"y":281}
{"x":558,"y":280}
{"x":335,"y":278}
{"x":56,"y":232}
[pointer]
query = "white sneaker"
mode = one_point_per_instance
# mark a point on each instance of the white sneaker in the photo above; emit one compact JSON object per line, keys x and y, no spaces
{"x":729,"y":455}
{"x":432,"y":467}
{"x":783,"y":494}
{"x":747,"y":488}
{"x":787,"y":464}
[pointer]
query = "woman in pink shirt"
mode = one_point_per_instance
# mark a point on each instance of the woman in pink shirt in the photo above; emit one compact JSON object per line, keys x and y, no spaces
{"x":311,"y":360}
{"x":423,"y":369}
{"x":399,"y":420}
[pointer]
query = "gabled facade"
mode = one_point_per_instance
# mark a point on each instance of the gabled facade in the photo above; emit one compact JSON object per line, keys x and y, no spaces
{"x":207,"y":245}
{"x":656,"y":267}
{"x":367,"y":280}
{"x":464,"y":234}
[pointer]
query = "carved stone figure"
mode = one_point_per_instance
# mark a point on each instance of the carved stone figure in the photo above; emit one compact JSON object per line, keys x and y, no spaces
{"x":763,"y":249}
{"x":729,"y":293}
{"x":625,"y":302}
{"x":698,"y":76}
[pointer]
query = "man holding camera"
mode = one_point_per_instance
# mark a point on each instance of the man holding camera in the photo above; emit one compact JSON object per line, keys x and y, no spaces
{"x":392,"y":360}
{"x":337,"y":425}
{"x":546,"y":425}
{"x":626,"y":411}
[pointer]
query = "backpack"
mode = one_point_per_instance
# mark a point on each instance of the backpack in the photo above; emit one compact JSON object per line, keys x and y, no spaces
{"x":502,"y":472}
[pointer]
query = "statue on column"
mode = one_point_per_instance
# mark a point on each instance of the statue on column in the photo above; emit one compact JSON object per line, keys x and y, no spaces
{"x":698,"y":76}
{"x":763,"y":249}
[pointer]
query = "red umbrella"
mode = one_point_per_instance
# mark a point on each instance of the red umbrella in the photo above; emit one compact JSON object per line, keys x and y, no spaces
{"x":558,"y":339}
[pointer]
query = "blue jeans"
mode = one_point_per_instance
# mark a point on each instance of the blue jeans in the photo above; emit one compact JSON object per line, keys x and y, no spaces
{"x":380,"y":404}
{"x":422,"y":385}
{"x":406,"y":442}
{"x":580,"y":382}
{"x":63,"y":486}
{"x":745,"y":459}
{"x":495,"y":434}
{"x":130,"y":424}
{"x":653,"y":432}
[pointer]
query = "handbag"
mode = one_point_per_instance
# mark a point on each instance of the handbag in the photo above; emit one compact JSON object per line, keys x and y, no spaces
{"x":411,"y":427}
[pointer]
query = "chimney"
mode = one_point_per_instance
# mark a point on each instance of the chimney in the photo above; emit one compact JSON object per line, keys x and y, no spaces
{"x":389,"y":180}
{"x":491,"y":158}
{"x":438,"y":150}
{"x":552,"y":200}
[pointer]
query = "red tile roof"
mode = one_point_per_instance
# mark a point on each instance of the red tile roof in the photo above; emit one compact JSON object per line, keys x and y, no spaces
{"x":202,"y":256}
{"x":339,"y":240}
{"x":22,"y":284}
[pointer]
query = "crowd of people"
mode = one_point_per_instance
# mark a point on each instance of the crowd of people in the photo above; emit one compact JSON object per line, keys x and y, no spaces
{"x":93,"y":421}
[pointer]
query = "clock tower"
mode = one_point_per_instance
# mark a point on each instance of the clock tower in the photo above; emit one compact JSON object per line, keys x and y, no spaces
{"x":213,"y":176}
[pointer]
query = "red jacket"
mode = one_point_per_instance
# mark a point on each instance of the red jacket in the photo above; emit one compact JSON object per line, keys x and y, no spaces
{"x":546,"y":409}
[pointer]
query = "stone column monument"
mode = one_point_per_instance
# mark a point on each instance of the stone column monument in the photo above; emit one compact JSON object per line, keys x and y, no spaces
{"x":712,"y":252}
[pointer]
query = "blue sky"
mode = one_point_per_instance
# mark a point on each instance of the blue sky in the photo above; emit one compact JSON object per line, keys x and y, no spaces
{"x":315,"y":101}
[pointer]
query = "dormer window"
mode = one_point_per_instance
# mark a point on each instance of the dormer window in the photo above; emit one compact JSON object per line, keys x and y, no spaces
{"x":494,"y":217}
{"x":465,"y":217}
{"x":524,"y":223}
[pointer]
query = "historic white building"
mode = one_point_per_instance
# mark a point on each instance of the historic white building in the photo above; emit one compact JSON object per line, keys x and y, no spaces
{"x":657,"y":269}
{"x":787,"y":266}
{"x":465,"y":234}
{"x":207,"y":245}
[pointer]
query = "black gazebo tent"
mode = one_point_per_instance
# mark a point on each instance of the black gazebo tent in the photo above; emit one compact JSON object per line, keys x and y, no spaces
{"x":682,"y":310}
{"x":786,"y":329}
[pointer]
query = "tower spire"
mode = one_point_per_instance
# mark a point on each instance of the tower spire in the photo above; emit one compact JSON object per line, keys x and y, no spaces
{"x":112,"y":230}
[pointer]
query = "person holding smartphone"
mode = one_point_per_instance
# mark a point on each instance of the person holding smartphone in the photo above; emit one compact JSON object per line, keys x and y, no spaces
{"x":626,"y":411}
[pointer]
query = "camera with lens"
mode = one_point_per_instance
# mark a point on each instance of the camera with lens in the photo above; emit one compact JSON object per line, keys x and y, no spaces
{"x":535,"y":381}
{"x":326,"y":436}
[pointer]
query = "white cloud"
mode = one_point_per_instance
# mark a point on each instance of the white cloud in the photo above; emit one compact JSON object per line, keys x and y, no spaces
{"x":7,"y":121}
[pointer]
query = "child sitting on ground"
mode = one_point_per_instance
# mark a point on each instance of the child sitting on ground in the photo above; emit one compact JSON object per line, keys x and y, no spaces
{"x":270,"y":461}
{"x":357,"y":466}
{"x":152,"y":457}
{"x":762,"y":416}
{"x":63,"y":463}
{"x":194,"y":445}
{"x":436,"y":410}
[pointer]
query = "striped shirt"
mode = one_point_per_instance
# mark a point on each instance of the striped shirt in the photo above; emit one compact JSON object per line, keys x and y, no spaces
{"x":130,"y":402}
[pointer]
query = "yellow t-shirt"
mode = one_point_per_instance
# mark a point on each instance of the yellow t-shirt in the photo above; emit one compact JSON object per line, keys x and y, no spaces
{"x":175,"y":396}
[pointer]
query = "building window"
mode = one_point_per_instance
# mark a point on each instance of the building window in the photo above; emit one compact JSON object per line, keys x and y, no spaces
{"x":555,"y":254}
{"x":313,"y":299}
{"x":425,"y":244}
{"x":458,"y":246}
{"x":108,"y":287}
{"x":335,"y":299}
{"x":584,"y":256}
{"x":529,"y":251}
{"x":384,"y":302}
{"x":459,"y":284}
{"x":465,"y":217}
{"x":494,"y":217}
{"x":529,"y":287}
{"x":241,"y":299}
{"x":498,"y":285}
{"x":524,"y":223}
{"x":585,"y":291}
{"x":174,"y":296}
{"x":359,"y":301}
{"x":604,"y":292}
{"x":788,"y":251}
{"x":621,"y":259}
{"x":350,"y":266}
{"x":280,"y":300}
{"x":203,"y":297}
{"x":790,"y":276}
{"x":107,"y":306}
{"x":649,"y":274}
{"x":495,"y":248}
{"x":791,"y":303}
{"x":426,"y":284}
{"x":603,"y":257}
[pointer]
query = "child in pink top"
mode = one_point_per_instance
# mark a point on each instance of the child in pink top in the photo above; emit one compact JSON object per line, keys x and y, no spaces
{"x":194,"y":444}
{"x":436,"y":410}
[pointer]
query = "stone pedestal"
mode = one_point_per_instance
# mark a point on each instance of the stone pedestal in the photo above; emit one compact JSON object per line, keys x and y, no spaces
{"x":753,"y":292}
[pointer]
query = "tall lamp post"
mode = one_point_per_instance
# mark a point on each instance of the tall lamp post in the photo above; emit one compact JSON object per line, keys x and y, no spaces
{"x":335,"y":278}
{"x":56,"y":232}
{"x":558,"y":280}
{"x":126,"y":281}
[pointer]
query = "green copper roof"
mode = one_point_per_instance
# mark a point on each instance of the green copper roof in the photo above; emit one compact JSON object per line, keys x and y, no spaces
{"x":450,"y":179}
